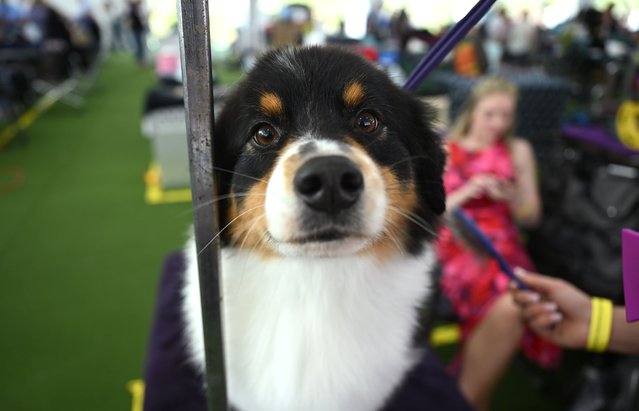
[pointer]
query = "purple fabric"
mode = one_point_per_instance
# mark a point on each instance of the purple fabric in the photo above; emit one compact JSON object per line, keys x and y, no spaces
{"x":598,"y":137}
{"x":630,"y":256}
{"x":428,"y":386}
{"x":173,"y":385}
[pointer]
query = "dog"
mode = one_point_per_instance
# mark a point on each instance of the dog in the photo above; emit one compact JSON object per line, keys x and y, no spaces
{"x":330,"y":192}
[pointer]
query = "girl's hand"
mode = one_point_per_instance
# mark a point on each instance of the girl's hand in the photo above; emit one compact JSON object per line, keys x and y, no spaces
{"x":476,"y":186}
{"x":500,"y":189}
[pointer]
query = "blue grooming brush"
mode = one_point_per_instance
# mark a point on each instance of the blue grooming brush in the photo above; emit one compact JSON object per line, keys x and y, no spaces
{"x":467,"y":228}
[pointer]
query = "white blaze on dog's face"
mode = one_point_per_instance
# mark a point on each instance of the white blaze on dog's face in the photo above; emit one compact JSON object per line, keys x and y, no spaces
{"x":321,"y":155}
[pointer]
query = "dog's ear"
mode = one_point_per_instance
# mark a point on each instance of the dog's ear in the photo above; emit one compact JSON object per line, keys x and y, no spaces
{"x":430,"y":158}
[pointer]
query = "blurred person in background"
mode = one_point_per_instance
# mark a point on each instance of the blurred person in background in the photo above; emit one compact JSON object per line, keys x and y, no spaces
{"x":10,"y":24}
{"x":35,"y":21}
{"x":521,"y":41}
{"x":491,"y":175}
{"x":90,"y":46}
{"x":114,"y":16}
{"x":52,"y":25}
{"x":50,"y":31}
{"x":404,"y":31}
{"x":497,"y":29}
{"x":137,"y":24}
{"x":378,"y":24}
{"x":610,"y":25}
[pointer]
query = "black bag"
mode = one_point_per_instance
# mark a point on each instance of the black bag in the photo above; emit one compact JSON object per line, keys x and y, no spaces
{"x":588,"y":200}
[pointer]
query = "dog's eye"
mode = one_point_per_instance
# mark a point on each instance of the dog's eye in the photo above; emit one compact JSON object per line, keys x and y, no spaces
{"x":367,"y":122}
{"x":265,"y":135}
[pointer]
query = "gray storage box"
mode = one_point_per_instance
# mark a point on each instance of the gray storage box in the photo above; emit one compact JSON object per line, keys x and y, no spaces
{"x":166,"y":128}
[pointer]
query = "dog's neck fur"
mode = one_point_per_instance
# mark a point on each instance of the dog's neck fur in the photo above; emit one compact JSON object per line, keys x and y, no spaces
{"x":312,"y":334}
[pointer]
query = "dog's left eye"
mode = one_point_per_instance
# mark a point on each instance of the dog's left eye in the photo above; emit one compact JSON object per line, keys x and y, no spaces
{"x":367,"y":122}
{"x":265,"y":135}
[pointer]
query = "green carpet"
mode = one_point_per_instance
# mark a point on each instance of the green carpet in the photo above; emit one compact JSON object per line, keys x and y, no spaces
{"x":80,"y":251}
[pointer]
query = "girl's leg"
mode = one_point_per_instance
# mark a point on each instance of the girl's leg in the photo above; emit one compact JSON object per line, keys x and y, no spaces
{"x":489,"y":350}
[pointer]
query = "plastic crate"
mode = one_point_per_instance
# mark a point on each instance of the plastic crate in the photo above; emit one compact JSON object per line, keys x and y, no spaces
{"x":166,"y":128}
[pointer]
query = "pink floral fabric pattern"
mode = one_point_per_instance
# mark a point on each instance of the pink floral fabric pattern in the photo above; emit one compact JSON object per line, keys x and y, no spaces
{"x":471,"y":282}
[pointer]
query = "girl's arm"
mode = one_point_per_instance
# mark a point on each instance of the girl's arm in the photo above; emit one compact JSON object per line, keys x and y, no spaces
{"x":525,"y":202}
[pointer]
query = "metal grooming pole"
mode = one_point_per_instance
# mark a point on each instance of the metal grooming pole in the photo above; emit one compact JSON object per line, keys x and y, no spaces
{"x":198,"y":100}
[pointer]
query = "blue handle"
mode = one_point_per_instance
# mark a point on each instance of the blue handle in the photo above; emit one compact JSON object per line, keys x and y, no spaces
{"x":488,"y":246}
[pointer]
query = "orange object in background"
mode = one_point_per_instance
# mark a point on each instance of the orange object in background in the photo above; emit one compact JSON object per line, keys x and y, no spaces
{"x":468,"y":60}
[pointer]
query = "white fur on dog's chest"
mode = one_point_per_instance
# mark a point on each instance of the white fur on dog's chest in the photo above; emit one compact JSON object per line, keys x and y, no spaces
{"x":313,"y":334}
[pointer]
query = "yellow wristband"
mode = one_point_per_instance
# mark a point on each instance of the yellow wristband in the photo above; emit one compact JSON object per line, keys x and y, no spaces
{"x":594,"y":324}
{"x":600,"y":325}
{"x":605,"y":324}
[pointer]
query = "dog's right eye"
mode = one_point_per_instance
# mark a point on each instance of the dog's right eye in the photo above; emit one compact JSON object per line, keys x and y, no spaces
{"x":367,"y":122}
{"x":265,"y":135}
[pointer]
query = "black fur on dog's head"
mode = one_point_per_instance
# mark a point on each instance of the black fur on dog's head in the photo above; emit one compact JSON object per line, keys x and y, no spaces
{"x":302,"y":103}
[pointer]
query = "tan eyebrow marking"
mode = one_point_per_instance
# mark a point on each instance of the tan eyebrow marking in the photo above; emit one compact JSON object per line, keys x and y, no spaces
{"x":353,"y":93}
{"x":271,"y":104}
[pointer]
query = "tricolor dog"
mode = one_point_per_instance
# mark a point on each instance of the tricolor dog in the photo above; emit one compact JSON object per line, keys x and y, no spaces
{"x":330,"y":181}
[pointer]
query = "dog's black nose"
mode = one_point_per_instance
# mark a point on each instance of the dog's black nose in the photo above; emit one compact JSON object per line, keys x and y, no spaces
{"x":329,"y":183}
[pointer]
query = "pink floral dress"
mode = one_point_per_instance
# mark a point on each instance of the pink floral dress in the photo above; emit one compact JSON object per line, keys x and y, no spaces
{"x":473,"y":283}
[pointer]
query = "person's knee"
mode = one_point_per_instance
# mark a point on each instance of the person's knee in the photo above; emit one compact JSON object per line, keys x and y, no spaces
{"x":506,"y":310}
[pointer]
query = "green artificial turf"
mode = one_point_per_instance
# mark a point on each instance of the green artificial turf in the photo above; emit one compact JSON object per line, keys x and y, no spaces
{"x":80,"y":251}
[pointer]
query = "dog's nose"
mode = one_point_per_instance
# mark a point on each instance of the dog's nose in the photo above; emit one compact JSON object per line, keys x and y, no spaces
{"x":329,"y":183}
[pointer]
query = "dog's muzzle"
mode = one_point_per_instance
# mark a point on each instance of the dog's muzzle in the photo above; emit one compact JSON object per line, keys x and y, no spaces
{"x":329,"y":184}
{"x":329,"y":203}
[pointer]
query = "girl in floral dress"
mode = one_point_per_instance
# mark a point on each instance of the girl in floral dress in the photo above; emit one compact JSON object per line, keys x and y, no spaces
{"x":491,"y":175}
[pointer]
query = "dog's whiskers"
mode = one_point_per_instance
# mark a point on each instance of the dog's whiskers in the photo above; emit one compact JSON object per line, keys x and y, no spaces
{"x":391,"y":236}
{"x":262,"y":241}
{"x":248,"y":230}
{"x":410,"y":158}
{"x":227,"y":226}
{"x":417,"y":220}
{"x":399,"y":188}
{"x":240,"y":174}
{"x":220,"y":198}
{"x":399,"y":184}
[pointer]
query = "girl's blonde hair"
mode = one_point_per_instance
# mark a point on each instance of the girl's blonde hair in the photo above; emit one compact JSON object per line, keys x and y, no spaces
{"x":486,"y":87}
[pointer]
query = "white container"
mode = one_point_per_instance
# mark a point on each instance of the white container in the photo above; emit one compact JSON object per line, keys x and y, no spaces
{"x":166,"y":128}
